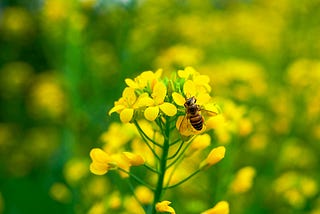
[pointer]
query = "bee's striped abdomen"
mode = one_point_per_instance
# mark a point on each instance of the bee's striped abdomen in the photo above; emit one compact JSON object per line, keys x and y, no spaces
{"x":196,"y":121}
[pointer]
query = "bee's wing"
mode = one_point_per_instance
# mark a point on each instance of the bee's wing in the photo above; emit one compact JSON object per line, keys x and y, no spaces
{"x":185,"y":127}
{"x":208,"y":113}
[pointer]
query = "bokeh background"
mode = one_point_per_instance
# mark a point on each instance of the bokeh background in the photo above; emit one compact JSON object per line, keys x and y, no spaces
{"x":63,"y":64}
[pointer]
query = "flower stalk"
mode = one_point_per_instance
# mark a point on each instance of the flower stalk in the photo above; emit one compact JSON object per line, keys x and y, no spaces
{"x":158,"y":109}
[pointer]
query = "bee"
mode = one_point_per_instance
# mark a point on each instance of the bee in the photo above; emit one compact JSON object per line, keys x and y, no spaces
{"x":193,"y":122}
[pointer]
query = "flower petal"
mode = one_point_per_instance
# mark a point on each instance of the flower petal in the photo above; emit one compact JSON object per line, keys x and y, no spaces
{"x":143,"y":100}
{"x":178,"y":98}
{"x":98,"y":168}
{"x":126,"y":115}
{"x":129,"y":96}
{"x":134,"y":159}
{"x":187,"y":72}
{"x":189,"y":89}
{"x":169,"y":109}
{"x":98,"y":155}
{"x":216,"y":155}
{"x":203,"y":98}
{"x":159,"y":92}
{"x":116,"y":108}
{"x":151,"y":113}
{"x":221,"y":207}
{"x":163,"y":206}
{"x":200,"y":142}
{"x":131,"y":83}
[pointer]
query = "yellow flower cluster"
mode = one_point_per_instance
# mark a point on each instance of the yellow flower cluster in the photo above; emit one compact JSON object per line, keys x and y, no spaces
{"x":153,"y":96}
{"x":145,"y":92}
{"x":155,"y":106}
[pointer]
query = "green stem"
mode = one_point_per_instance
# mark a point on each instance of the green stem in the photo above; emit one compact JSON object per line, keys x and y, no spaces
{"x":163,"y":165}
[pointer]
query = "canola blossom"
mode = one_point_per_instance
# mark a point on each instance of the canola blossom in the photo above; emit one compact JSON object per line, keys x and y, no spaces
{"x":221,"y":207}
{"x":163,"y":206}
{"x":165,"y":135}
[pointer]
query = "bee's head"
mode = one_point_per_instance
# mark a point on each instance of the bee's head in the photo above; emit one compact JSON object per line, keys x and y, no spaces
{"x":190,"y":101}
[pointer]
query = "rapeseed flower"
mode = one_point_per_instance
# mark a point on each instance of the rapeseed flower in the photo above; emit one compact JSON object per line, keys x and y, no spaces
{"x":155,"y":106}
{"x":159,"y":93}
{"x":101,"y":162}
{"x":215,"y":155}
{"x":163,"y":206}
{"x":221,"y":207}
{"x":243,"y":180}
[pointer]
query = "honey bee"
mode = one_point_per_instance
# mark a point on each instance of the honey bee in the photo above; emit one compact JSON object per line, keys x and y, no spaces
{"x":193,"y":122}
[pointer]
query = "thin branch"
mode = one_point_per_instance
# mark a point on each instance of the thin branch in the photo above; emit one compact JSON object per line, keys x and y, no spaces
{"x":147,"y":143}
{"x":183,"y":180}
{"x":151,"y":168}
{"x":176,"y":141}
{"x":181,"y":153}
{"x":137,"y":179}
{"x":145,"y":135}
{"x":181,"y":145}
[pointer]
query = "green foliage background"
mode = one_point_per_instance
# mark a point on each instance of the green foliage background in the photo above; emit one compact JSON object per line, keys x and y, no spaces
{"x":63,"y":64}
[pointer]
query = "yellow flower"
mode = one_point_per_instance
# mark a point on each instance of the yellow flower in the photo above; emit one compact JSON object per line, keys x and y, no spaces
{"x":189,"y":90}
{"x":100,"y":161}
{"x":199,"y":143}
{"x":60,"y":192}
{"x":159,"y":93}
{"x":134,"y":159}
{"x":201,"y":82}
{"x":123,"y":164}
{"x":144,"y":195}
{"x":216,"y":155}
{"x":243,"y":180}
{"x":145,"y":79}
{"x":163,"y":206}
{"x":129,"y":101}
{"x":221,"y":207}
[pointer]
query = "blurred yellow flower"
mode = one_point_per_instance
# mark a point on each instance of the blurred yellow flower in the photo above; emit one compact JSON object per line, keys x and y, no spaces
{"x":180,"y":55}
{"x":221,"y":207}
{"x":243,"y":180}
{"x":117,"y":136}
{"x":215,"y":155}
{"x":132,"y":206}
{"x":56,"y":10}
{"x":200,"y":142}
{"x":47,"y":98}
{"x":97,"y":187}
{"x":134,"y":159}
{"x":98,"y":208}
{"x":60,"y":192}
{"x":15,"y":78}
{"x":74,"y":170}
{"x":296,"y":188}
{"x":163,"y":206}
{"x":114,"y":200}
{"x":16,"y":23}
{"x":144,"y":195}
